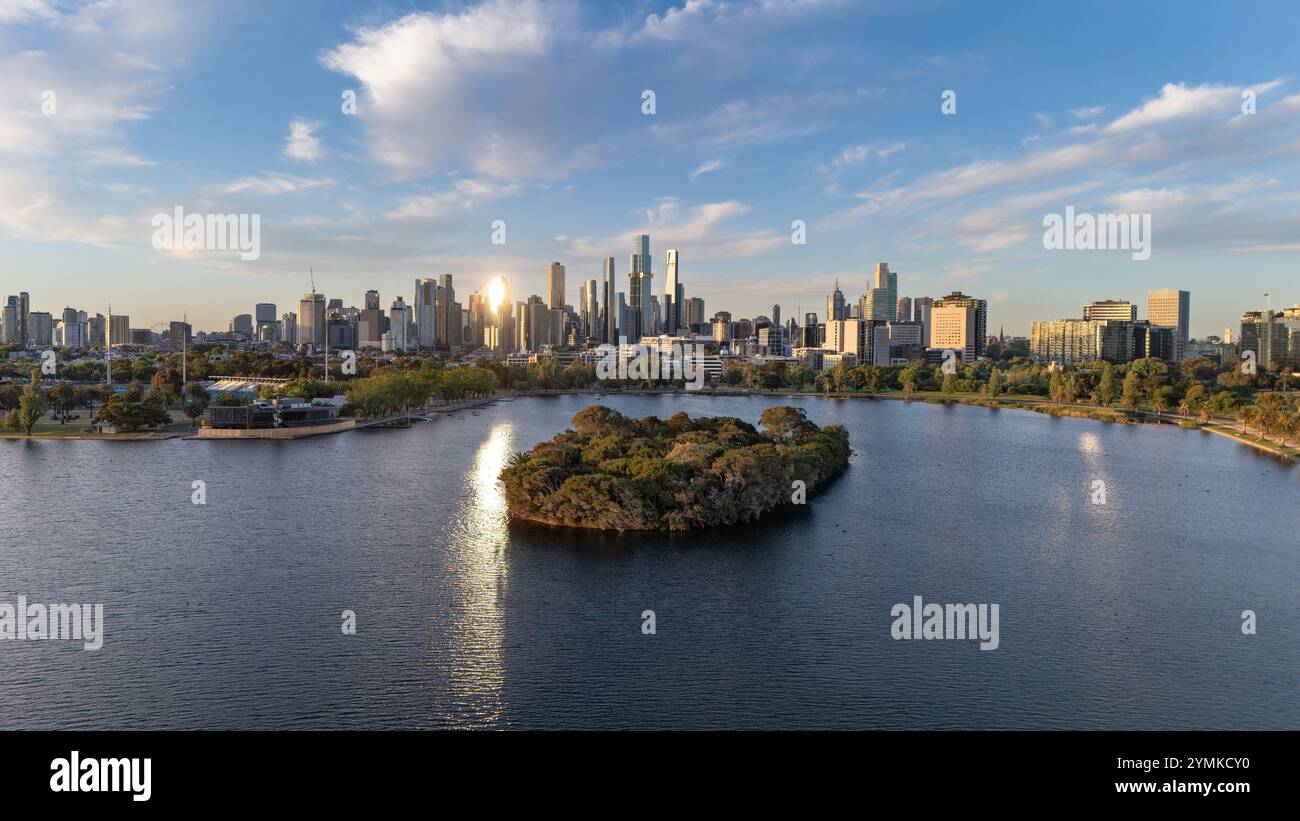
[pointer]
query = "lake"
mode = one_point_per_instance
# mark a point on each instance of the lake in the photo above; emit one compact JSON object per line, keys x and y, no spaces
{"x":227,"y":615}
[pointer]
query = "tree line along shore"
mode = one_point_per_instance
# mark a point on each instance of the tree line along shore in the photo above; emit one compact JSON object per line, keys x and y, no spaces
{"x":1258,"y":408}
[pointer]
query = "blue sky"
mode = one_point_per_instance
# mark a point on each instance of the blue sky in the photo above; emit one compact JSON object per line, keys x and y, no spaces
{"x":766,"y":112}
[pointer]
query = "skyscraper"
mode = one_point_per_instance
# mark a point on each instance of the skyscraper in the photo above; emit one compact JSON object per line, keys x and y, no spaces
{"x":591,"y":311}
{"x":538,"y":324}
{"x":370,"y":324}
{"x":835,"y":310}
{"x":24,"y":308}
{"x":96,"y":331}
{"x":811,"y":332}
{"x":1266,"y":334}
{"x":74,"y":331}
{"x":450,"y":322}
{"x":477,"y":320}
{"x":611,"y":314}
{"x":776,"y":316}
{"x":1120,"y":309}
{"x":640,"y":289}
{"x":180,"y":334}
{"x":881,"y":300}
{"x":311,"y":320}
{"x":583,"y":317}
{"x":9,"y":326}
{"x":674,"y":296}
{"x":40,"y":326}
{"x":555,"y":286}
{"x":960,"y":323}
{"x":289,"y":328}
{"x":921,"y":313}
{"x":1172,"y":308}
{"x":694,"y":315}
{"x":426,"y":317}
{"x":641,"y":254}
{"x":119,"y":329}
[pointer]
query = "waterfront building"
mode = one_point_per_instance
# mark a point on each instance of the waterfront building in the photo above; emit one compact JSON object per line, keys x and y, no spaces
{"x":1171,"y":308}
{"x":1265,"y":333}
{"x":959,"y":322}
{"x":1120,"y":309}
{"x":866,"y":339}
{"x":1064,"y":341}
{"x":1074,"y":341}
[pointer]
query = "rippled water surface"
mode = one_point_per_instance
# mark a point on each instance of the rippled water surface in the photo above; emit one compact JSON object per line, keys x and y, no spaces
{"x":1123,"y":615}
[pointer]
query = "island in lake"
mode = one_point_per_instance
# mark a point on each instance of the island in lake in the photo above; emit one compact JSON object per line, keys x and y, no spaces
{"x":613,"y":472}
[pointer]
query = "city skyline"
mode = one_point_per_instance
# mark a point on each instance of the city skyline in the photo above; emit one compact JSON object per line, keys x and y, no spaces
{"x":760,"y":115}
{"x":891,"y":299}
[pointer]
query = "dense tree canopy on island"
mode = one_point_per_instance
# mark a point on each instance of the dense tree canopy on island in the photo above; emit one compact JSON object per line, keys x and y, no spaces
{"x":617,"y":473}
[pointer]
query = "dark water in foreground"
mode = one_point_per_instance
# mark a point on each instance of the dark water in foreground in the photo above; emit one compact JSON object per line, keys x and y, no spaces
{"x":1123,"y":615}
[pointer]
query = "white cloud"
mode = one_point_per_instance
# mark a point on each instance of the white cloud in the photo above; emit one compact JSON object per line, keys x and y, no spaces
{"x":699,"y":232}
{"x":745,"y":122}
{"x":106,"y":66}
{"x":719,"y":25}
{"x":464,"y":196}
{"x":1192,"y":136}
{"x":474,"y":87}
{"x":267,"y":184}
{"x":115,"y":156}
{"x":302,"y":144}
{"x":20,"y":11}
{"x":706,"y":167}
{"x":1088,"y":112}
{"x":1177,"y":101}
{"x":859,"y":154}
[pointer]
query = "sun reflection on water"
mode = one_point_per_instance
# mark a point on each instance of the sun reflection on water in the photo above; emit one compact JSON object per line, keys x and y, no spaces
{"x":481,"y":574}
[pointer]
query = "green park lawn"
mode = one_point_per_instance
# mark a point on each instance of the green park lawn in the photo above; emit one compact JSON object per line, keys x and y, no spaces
{"x":48,"y":425}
